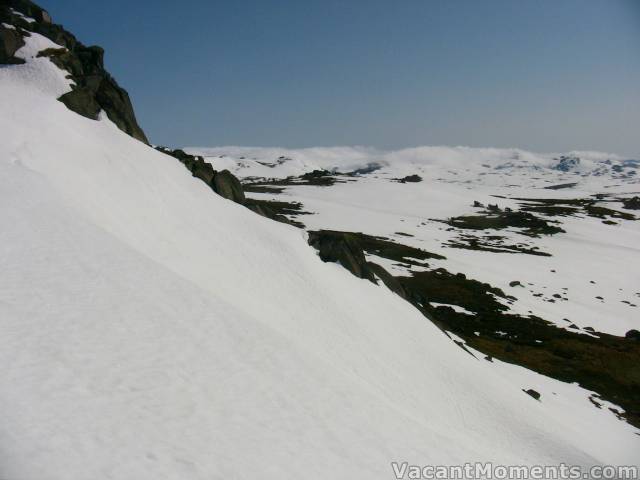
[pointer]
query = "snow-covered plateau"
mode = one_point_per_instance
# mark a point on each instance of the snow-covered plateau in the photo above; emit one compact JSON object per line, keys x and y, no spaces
{"x":151,"y":329}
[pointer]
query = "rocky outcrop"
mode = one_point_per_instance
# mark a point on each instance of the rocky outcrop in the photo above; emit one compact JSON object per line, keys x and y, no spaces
{"x":228,"y":186}
{"x":10,"y":41}
{"x":410,"y":179}
{"x":532,"y":393}
{"x":632,"y":203}
{"x":496,"y":219}
{"x":348,"y":249}
{"x":28,"y":9}
{"x":343,"y":248}
{"x":194,"y":163}
{"x":224,"y":183}
{"x":94,"y":89}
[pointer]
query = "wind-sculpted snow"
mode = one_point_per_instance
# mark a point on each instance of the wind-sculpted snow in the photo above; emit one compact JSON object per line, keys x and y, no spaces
{"x":152,"y":329}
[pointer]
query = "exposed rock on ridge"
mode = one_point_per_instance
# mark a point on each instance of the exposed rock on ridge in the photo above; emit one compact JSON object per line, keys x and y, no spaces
{"x":227,"y":185}
{"x":224,"y":183}
{"x":94,"y":90}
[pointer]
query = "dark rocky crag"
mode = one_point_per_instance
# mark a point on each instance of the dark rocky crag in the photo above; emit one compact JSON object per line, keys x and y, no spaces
{"x":227,"y":185}
{"x":223,"y":183}
{"x":10,"y":41}
{"x":349,"y":248}
{"x":94,"y":90}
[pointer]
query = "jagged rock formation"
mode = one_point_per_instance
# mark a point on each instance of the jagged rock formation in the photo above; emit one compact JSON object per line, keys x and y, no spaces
{"x":94,"y":88}
{"x":10,"y":41}
{"x":227,"y":185}
{"x":341,"y":247}
{"x":224,"y":183}
{"x":347,"y":249}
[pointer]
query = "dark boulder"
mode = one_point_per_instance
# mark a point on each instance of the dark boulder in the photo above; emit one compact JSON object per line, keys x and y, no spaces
{"x":343,"y":248}
{"x":348,"y":249}
{"x":228,"y":186}
{"x":194,"y":163}
{"x":224,"y":183}
{"x":633,"y":335}
{"x":83,"y":101}
{"x":204,"y":171}
{"x":410,"y":179}
{"x":532,"y":393}
{"x":10,"y":41}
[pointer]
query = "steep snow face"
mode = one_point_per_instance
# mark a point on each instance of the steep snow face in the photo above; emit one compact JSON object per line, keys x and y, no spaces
{"x":151,"y":329}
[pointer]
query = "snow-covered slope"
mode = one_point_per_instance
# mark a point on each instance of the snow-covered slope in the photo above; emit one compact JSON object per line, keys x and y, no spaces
{"x":151,"y":329}
{"x":596,"y":256}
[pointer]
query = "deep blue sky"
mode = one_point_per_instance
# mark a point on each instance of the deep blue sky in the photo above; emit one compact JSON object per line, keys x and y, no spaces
{"x":545,"y":75}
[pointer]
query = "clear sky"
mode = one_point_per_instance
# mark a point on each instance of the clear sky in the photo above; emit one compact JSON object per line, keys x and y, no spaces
{"x":545,"y":75}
